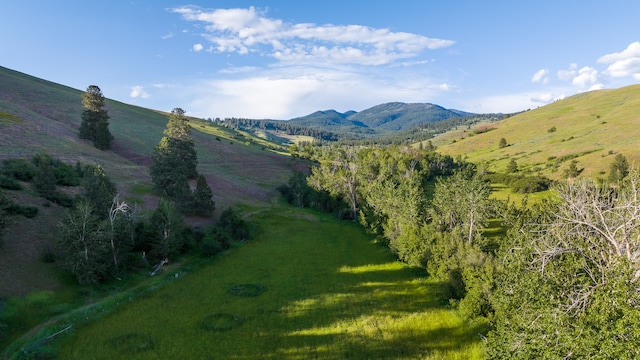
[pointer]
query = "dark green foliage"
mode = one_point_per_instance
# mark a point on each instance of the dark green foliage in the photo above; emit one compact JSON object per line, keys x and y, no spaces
{"x":95,"y":119}
{"x":619,"y":169}
{"x":5,"y":203}
{"x":297,"y":192}
{"x":212,"y":245}
{"x":502,"y":143}
{"x":9,"y":183}
{"x":203,"y":198}
{"x":27,"y":211}
{"x":520,"y":184}
{"x":44,"y":181}
{"x":103,"y":135}
{"x":572,"y":171}
{"x":61,"y":174}
{"x":233,"y":224}
{"x":167,"y":225}
{"x":174,"y":157}
{"x":83,"y":244}
{"x":19,"y":169}
{"x":98,"y":189}
{"x":512,"y":166}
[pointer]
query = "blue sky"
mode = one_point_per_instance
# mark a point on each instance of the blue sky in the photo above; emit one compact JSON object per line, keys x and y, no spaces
{"x":282,"y":59}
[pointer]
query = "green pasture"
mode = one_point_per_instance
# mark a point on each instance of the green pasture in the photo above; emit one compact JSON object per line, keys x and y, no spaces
{"x":306,"y":286}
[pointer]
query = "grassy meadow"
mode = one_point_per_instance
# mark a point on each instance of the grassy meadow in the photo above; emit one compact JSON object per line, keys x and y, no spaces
{"x":306,"y":286}
{"x":590,"y":128}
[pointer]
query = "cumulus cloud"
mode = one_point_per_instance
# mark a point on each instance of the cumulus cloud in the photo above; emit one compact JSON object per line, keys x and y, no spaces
{"x":623,"y":64}
{"x":138,"y":92}
{"x":569,"y":73}
{"x":540,"y":76}
{"x":543,"y":98}
{"x":198,"y":47}
{"x":285,"y":92}
{"x":586,"y":76}
{"x":246,"y":31}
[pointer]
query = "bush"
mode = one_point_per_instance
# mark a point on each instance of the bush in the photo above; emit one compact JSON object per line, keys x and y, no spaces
{"x":9,"y":183}
{"x":19,"y":169}
{"x":210,"y":246}
{"x":27,"y":211}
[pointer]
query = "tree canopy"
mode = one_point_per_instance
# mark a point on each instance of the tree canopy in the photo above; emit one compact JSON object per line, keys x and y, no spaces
{"x":95,"y":119}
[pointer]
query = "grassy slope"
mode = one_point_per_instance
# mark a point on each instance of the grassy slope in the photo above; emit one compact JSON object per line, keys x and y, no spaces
{"x":330,"y":293}
{"x":40,"y":116}
{"x":593,"y":126}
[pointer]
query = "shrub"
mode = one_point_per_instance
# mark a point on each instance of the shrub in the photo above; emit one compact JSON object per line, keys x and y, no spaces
{"x":27,"y":211}
{"x":19,"y":169}
{"x":210,"y":246}
{"x":9,"y":183}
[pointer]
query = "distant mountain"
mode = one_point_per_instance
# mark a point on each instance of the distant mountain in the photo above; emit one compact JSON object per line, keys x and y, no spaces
{"x":387,"y":117}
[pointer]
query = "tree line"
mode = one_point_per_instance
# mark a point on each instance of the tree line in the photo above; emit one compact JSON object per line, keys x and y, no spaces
{"x":560,"y":280}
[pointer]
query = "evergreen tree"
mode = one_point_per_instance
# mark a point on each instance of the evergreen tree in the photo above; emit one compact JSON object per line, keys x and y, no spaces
{"x":619,"y":169}
{"x":95,"y":120}
{"x":572,"y":171}
{"x":512,"y":166}
{"x":98,"y":189}
{"x":203,"y":198}
{"x":175,"y":155}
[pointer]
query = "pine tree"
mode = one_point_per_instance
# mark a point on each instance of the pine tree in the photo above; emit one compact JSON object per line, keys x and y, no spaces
{"x":95,"y":120}
{"x":619,"y":169}
{"x":203,"y":198}
{"x":174,"y":156}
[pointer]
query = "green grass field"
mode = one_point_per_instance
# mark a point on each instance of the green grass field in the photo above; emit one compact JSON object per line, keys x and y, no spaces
{"x":306,"y":286}
{"x":590,"y":128}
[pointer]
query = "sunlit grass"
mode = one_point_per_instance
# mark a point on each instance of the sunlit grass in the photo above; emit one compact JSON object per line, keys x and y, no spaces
{"x":327,"y":291}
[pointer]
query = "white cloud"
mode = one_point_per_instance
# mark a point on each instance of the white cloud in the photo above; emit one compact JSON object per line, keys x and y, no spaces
{"x":586,"y":76}
{"x":138,"y":92}
{"x":198,"y":47}
{"x":540,"y":76}
{"x":245,"y":31}
{"x":544,"y":98}
{"x":623,"y":64}
{"x":568,"y":74}
{"x":285,"y":92}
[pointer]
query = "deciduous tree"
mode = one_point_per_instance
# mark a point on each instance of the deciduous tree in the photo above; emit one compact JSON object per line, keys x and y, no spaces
{"x":168,"y":224}
{"x":83,"y":243}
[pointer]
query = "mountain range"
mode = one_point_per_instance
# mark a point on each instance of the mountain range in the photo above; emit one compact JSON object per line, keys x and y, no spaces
{"x":393,"y":116}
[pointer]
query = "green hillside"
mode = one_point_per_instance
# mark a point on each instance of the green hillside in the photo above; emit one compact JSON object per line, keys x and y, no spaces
{"x":590,"y":128}
{"x":39,"y":116}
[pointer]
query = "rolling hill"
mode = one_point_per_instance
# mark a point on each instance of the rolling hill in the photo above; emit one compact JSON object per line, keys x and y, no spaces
{"x":381,"y":118}
{"x":590,"y":128}
{"x":38,"y":116}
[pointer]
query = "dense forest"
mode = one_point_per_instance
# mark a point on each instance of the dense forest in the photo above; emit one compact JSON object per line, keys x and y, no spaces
{"x":560,"y":280}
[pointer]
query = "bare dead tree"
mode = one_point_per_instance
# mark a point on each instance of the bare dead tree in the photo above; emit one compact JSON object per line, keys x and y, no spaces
{"x":117,"y":208}
{"x":599,"y":226}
